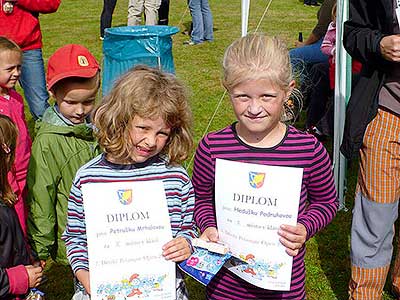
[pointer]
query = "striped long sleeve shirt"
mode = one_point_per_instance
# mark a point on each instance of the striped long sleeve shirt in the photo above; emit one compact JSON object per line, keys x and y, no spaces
{"x":178,"y":189}
{"x":317,"y":207}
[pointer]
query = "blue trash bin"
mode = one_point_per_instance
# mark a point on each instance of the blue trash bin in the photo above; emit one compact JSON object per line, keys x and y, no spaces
{"x":125,"y":47}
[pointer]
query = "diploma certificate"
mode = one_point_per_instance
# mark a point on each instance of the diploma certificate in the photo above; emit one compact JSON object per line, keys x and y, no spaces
{"x":127,"y":223}
{"x":251,"y":202}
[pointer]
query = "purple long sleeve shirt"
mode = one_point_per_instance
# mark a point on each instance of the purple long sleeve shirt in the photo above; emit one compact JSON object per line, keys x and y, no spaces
{"x":317,"y":207}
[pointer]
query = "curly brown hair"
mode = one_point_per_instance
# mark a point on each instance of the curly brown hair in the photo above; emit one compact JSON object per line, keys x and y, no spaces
{"x":148,"y":93}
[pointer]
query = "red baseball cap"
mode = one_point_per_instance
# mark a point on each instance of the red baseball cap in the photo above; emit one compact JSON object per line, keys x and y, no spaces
{"x":71,"y":61}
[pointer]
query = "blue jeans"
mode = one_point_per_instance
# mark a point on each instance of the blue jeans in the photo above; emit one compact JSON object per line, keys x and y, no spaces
{"x":33,"y":82}
{"x":303,"y":57}
{"x":202,"y":21}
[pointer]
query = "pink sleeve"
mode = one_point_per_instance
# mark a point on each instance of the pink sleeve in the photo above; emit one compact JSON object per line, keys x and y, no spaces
{"x":329,"y":41}
{"x":18,"y":279}
{"x":20,"y":206}
{"x":17,"y":175}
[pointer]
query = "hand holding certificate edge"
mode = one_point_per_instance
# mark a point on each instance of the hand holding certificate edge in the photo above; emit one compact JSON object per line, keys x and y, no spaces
{"x":210,"y":234}
{"x":178,"y":249}
{"x":292,"y":237}
{"x":83,"y":277}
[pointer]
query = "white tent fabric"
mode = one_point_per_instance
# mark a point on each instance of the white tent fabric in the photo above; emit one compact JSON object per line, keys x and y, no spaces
{"x":245,"y":16}
{"x":342,"y":94}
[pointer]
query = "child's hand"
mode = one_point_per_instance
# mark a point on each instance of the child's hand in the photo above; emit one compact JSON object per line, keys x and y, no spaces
{"x":34,"y":275}
{"x":210,"y":234}
{"x":176,"y":250}
{"x":292,"y":237}
{"x":84,"y":278}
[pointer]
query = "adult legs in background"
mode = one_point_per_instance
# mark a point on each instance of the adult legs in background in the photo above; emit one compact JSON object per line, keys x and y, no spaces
{"x":302,"y":59}
{"x":163,"y":12}
{"x":106,"y":15}
{"x":320,"y":91}
{"x":135,"y":11}
{"x":33,"y":82}
{"x":151,"y":11}
{"x":202,"y":21}
{"x":376,"y":209}
{"x":308,"y":54}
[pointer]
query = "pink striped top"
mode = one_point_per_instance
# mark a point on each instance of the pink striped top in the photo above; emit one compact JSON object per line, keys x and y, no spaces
{"x":318,"y":201}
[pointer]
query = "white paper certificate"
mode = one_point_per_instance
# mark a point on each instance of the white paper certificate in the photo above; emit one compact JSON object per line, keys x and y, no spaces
{"x":252,"y":201}
{"x":127,"y":223}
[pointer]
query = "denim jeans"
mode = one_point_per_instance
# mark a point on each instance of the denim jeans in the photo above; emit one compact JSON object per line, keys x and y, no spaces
{"x":303,"y":57}
{"x":202,"y":21}
{"x":33,"y":82}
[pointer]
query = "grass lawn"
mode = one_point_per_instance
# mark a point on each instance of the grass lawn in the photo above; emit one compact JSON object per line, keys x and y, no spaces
{"x":199,"y":67}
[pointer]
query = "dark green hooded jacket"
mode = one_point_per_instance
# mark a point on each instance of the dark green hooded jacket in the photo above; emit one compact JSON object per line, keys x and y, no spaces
{"x":58,"y":151}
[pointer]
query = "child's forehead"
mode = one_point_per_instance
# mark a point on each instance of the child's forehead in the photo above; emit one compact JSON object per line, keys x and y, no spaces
{"x":257,"y":81}
{"x":152,"y":121}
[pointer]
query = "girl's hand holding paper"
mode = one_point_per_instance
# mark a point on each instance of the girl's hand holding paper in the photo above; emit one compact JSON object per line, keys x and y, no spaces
{"x":210,"y":234}
{"x":292,"y":237}
{"x":177,"y":249}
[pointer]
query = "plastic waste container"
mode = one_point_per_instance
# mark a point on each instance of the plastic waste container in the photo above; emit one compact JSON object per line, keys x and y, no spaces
{"x":125,"y":47}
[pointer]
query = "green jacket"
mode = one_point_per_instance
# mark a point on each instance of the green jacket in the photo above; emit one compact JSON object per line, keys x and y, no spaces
{"x":58,"y":151}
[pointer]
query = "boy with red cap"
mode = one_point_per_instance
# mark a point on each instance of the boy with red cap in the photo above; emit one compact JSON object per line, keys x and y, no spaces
{"x":63,"y":143}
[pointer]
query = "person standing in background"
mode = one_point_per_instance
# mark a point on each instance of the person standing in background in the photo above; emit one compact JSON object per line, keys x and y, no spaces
{"x":163,"y":12}
{"x":106,"y":16}
{"x":136,"y":9}
{"x":309,"y":52}
{"x":372,"y":129}
{"x":19,"y":21}
{"x":202,"y":22}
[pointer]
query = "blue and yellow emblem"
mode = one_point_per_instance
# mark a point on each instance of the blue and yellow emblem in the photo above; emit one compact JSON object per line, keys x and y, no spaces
{"x":125,"y":196}
{"x":256,"y":179}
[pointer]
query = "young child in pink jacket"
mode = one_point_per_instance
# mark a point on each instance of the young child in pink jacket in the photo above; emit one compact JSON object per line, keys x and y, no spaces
{"x":11,"y":105}
{"x":17,"y":274}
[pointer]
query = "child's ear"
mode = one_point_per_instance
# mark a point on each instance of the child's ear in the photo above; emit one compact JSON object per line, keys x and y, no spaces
{"x":292,"y":85}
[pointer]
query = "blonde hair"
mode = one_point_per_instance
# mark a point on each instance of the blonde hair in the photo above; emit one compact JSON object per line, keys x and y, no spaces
{"x":147,"y":93}
{"x":9,"y":45}
{"x":257,"y":56}
{"x":8,"y":143}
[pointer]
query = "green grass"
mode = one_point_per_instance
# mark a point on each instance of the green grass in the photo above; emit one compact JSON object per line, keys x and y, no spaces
{"x":199,"y":67}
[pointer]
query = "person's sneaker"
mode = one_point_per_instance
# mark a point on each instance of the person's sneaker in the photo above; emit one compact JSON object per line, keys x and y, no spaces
{"x":190,"y":43}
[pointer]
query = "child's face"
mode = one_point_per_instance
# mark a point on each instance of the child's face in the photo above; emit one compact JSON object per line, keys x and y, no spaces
{"x":148,"y":137}
{"x":76,"y":100}
{"x":258,"y":106}
{"x":10,"y":69}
